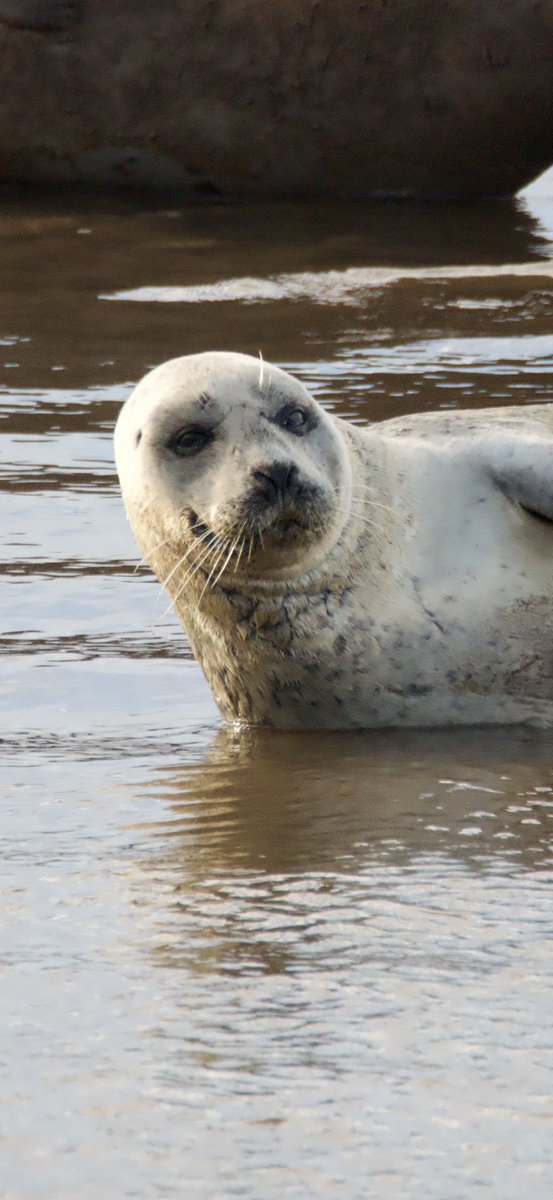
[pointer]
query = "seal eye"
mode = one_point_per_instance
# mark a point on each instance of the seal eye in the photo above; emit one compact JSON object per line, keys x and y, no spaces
{"x":295,"y":420}
{"x":190,"y":441}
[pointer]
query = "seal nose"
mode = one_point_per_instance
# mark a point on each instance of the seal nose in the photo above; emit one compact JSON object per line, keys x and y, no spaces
{"x":276,"y":479}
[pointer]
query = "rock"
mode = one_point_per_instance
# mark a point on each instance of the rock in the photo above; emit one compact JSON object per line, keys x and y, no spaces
{"x":417,"y":98}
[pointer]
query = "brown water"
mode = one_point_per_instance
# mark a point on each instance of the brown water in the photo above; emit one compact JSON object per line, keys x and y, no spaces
{"x":237,"y":965}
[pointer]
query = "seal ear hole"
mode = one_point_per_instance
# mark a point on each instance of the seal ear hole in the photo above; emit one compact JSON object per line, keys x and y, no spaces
{"x":139,"y":437}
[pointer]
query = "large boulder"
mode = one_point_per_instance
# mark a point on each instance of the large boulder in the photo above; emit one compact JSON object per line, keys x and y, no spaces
{"x":278,"y":97}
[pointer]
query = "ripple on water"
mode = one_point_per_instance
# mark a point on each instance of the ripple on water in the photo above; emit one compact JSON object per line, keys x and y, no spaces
{"x":325,"y":287}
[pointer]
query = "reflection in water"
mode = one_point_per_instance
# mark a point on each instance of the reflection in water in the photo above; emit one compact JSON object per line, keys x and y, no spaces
{"x":266,"y":965}
{"x":78,"y":249}
{"x":354,"y":932}
{"x":349,"y":818}
{"x":288,"y":802}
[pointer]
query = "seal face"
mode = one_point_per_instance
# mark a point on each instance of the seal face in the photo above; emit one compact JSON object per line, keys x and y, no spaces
{"x":336,"y":577}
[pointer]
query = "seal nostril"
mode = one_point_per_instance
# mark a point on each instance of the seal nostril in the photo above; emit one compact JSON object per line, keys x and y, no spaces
{"x":265,"y":482}
{"x":276,"y":477}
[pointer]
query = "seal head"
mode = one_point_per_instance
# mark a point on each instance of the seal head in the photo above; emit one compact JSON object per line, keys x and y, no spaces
{"x":234,"y":462}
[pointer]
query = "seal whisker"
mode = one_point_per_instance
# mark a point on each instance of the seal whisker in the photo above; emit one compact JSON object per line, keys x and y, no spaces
{"x":205,"y":537}
{"x":359,"y":488}
{"x":366,"y":487}
{"x":358,"y":513}
{"x":213,"y":546}
{"x":375,"y":504}
{"x":196,"y":567}
{"x":359,"y":491}
{"x":358,"y":508}
{"x":163,"y":583}
{"x":240,"y":553}
{"x":152,"y":550}
{"x":211,"y":572}
{"x":227,"y":560}
{"x":208,"y":582}
{"x":242,"y":547}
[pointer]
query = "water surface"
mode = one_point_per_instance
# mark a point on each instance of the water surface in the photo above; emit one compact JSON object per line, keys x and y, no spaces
{"x":246,"y":965}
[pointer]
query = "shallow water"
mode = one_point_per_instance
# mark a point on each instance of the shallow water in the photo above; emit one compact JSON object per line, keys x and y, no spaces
{"x":240,"y":964}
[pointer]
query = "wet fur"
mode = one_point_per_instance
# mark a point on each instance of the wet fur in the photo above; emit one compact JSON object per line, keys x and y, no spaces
{"x":405,"y":580}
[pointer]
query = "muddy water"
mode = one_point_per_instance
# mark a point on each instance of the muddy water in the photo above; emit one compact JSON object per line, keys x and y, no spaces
{"x":237,"y":965}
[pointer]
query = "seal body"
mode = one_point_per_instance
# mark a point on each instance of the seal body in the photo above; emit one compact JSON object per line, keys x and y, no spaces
{"x":330,"y":576}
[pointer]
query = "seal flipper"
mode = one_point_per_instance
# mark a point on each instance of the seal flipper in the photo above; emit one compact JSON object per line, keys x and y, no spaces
{"x":40,"y":14}
{"x":525,"y":475}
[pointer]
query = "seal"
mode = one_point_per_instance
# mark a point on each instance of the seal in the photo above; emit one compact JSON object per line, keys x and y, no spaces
{"x":332,"y":576}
